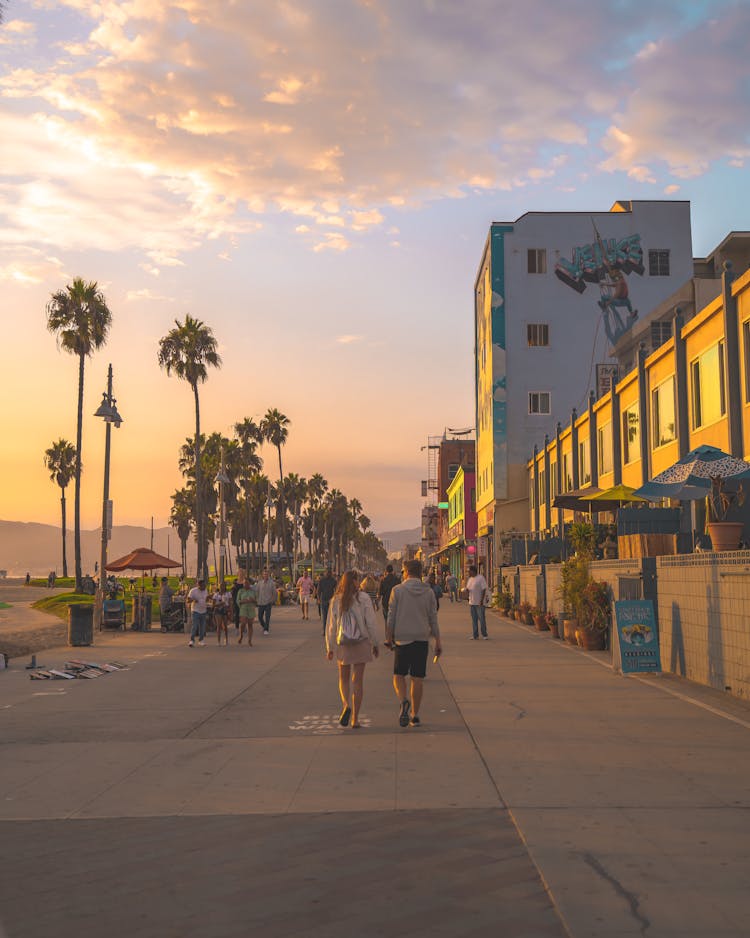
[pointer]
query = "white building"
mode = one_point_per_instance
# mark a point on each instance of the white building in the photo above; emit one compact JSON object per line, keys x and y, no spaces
{"x":554,"y":292}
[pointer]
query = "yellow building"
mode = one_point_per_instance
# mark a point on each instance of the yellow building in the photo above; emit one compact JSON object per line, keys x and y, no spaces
{"x":692,"y":390}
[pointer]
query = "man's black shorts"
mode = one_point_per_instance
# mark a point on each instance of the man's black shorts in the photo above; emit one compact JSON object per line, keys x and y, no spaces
{"x":411,"y":659}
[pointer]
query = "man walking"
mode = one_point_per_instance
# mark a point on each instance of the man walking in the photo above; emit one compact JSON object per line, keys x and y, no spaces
{"x":451,"y":585}
{"x":477,"y":590}
{"x":412,"y":619}
{"x":198,"y":599}
{"x":326,"y":589}
{"x":386,"y":586}
{"x":266,"y":590}
{"x":305,"y":588}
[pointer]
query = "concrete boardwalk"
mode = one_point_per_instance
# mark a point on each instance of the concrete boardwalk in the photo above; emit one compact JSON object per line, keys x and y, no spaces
{"x":210,"y":791}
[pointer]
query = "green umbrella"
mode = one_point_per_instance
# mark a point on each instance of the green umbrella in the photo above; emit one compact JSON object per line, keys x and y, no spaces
{"x":615,"y":497}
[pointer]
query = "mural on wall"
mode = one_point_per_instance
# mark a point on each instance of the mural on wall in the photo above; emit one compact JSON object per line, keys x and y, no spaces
{"x":606,"y":263}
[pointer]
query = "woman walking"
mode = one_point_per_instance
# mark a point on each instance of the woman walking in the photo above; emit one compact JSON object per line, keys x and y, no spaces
{"x":247,"y":600}
{"x":351,"y":633}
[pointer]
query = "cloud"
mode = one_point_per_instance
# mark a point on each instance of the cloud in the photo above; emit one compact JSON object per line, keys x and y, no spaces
{"x":154,"y":123}
{"x":348,"y":339}
{"x":689,"y":102}
{"x":146,"y":294}
{"x":333,"y":242}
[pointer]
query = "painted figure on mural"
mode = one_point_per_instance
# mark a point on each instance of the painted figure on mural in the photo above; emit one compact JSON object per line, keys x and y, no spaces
{"x":614,"y":294}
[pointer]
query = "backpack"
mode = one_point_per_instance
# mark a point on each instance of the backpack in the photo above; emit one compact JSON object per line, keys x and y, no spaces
{"x":349,"y":632}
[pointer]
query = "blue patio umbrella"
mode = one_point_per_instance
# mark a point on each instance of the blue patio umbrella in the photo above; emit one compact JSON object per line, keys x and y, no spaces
{"x":690,"y":478}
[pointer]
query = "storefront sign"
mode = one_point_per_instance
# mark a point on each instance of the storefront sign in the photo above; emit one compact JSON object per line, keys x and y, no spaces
{"x":638,"y":636}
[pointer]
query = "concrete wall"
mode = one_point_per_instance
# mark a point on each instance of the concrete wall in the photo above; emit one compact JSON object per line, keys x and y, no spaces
{"x":704,"y":618}
{"x":703,"y":611}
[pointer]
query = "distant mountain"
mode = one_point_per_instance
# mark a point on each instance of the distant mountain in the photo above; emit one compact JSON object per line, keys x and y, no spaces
{"x":37,"y":548}
{"x":395,"y":541}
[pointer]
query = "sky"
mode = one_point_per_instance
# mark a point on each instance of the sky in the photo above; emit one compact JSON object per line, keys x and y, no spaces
{"x":315,"y":181}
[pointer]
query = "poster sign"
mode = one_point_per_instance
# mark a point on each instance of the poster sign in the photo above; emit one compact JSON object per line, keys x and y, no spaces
{"x":638,"y":636}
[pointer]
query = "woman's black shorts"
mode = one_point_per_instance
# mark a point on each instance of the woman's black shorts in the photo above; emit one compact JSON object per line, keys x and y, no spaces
{"x":411,"y":659}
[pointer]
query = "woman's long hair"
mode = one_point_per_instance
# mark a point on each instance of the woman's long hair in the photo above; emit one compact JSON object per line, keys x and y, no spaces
{"x":347,"y":589}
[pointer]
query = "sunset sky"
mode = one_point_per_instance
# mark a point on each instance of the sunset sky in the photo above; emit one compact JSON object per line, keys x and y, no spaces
{"x":315,"y":181}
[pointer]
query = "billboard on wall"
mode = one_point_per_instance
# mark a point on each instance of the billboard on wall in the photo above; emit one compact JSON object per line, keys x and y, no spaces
{"x":607,"y":376}
{"x":430,"y":530}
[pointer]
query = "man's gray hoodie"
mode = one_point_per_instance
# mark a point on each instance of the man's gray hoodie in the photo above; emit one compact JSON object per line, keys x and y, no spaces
{"x":412,"y":613}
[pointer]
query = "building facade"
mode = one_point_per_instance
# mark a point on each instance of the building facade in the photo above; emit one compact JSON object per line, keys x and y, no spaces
{"x":693,"y":389}
{"x":460,"y":549}
{"x":555,"y":291}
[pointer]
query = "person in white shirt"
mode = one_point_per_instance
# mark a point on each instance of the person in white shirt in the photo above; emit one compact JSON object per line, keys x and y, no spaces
{"x":198,"y":599}
{"x":305,"y":588}
{"x":222,"y":603}
{"x":477,"y":590}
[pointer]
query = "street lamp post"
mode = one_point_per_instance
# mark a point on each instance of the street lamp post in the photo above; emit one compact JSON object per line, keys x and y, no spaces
{"x":108,"y":411}
{"x":222,"y":479}
{"x":269,"y":506}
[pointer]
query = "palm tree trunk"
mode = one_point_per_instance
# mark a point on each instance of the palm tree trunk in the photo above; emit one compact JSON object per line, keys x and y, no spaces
{"x":200,"y":569}
{"x":77,"y":498}
{"x":64,"y":533}
{"x":282,"y":533}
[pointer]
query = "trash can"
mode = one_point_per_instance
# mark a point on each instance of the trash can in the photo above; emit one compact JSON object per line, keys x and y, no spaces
{"x":146,"y":612}
{"x":80,"y":624}
{"x":136,"y":624}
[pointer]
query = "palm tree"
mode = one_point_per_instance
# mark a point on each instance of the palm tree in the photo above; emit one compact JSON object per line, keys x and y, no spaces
{"x":188,"y":350}
{"x":296,"y":491}
{"x":275,"y":429}
{"x":248,"y":433}
{"x":81,"y":319}
{"x":316,"y":489}
{"x":60,"y":459}
{"x":181,"y":519}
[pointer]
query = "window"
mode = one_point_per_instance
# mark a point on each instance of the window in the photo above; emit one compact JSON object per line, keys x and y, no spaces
{"x":532,"y":492}
{"x":746,"y":346}
{"x":537,"y":261}
{"x":604,"y":448}
{"x":553,"y":480}
{"x":707,"y":386}
{"x":658,"y":263}
{"x":539,"y":402}
{"x":537,"y":334}
{"x":661,"y":332}
{"x":541,"y":486}
{"x":631,"y":434}
{"x":662,"y":413}
{"x":567,"y":475}
{"x":584,"y":469}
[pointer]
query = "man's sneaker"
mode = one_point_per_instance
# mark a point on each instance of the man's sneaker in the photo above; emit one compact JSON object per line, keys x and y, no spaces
{"x":485,"y":638}
{"x":265,"y":631}
{"x":202,"y":644}
{"x":191,"y":643}
{"x":415,"y":721}
{"x":473,"y":637}
{"x":403,"y":719}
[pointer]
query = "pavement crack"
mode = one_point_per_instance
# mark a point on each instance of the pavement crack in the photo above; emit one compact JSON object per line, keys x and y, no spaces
{"x":521,"y":712}
{"x":629,"y":897}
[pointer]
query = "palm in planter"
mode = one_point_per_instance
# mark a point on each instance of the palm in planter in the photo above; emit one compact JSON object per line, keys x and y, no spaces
{"x":594,"y":615}
{"x":576,"y":575}
{"x":725,"y":535}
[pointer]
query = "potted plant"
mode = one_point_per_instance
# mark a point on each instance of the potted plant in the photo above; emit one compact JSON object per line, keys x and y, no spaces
{"x":525,"y":609}
{"x":594,"y":615}
{"x":725,"y":535}
{"x":575,"y":576}
{"x":506,"y":598}
{"x":540,"y":620}
{"x":552,"y":625}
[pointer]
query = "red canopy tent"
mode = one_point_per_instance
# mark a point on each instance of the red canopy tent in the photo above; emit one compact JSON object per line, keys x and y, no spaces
{"x":142,"y":558}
